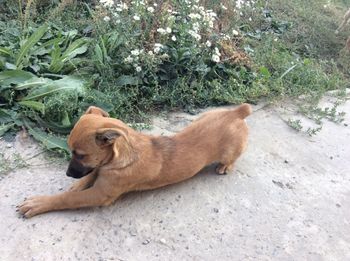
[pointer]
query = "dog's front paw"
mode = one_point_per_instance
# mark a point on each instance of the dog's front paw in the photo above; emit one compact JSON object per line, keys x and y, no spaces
{"x":34,"y":206}
{"x":76,"y":187}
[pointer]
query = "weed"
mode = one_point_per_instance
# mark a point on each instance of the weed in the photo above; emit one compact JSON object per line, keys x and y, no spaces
{"x":7,"y":164}
{"x":135,"y":57}
{"x":295,"y":124}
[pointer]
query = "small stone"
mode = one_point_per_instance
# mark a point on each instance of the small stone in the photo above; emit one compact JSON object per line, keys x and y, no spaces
{"x":8,"y":145}
{"x":338,"y":205}
{"x":216,"y":210}
{"x":162,"y":240}
{"x":286,"y":161}
{"x":278,"y":183}
{"x":146,"y":242}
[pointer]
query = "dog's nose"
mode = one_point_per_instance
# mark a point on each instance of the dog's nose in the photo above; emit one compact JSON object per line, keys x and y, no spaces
{"x":77,"y":170}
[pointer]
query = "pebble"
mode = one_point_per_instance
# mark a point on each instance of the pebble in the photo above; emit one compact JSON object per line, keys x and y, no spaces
{"x":146,"y":242}
{"x":162,"y":240}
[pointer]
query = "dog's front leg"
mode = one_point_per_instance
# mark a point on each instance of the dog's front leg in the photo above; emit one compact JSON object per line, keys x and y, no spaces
{"x":91,"y":197}
{"x":84,"y":182}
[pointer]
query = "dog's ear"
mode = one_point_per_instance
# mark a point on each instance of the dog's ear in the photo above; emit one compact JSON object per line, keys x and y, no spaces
{"x":117,"y":138}
{"x":97,"y":111}
{"x":107,"y":136}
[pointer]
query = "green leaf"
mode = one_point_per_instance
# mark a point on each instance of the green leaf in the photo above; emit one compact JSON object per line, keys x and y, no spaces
{"x":79,"y":46}
{"x":265,"y":72}
{"x":37,"y":106}
{"x":10,"y":66}
{"x":5,"y":51}
{"x":66,"y":121}
{"x":14,"y":77}
{"x":7,"y":116}
{"x":98,"y":54}
{"x":43,"y":48}
{"x":31,"y":83}
{"x":68,"y":83}
{"x":29,"y":43}
{"x":49,"y":141}
{"x":53,"y":126}
{"x":127,"y":80}
{"x":5,"y":127}
{"x":56,"y":64}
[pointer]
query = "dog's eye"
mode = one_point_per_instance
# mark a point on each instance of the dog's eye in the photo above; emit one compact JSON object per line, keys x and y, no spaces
{"x":78,"y":156}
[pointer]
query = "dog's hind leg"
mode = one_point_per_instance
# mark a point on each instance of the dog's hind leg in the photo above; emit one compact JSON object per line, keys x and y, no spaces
{"x":231,"y":153}
{"x":222,"y":169}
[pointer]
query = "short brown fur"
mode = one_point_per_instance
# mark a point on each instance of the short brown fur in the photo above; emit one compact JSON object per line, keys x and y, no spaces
{"x":125,"y":160}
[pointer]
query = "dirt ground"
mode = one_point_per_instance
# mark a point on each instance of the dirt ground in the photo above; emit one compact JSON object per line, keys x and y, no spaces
{"x":287,"y":199}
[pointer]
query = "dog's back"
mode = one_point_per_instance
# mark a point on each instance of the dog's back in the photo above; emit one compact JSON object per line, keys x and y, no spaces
{"x":217,"y":136}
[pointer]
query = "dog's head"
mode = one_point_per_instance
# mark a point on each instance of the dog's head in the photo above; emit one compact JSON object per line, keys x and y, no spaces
{"x":97,"y":140}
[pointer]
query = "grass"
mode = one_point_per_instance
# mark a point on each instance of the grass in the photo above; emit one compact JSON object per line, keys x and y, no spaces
{"x":273,"y":49}
{"x":7,"y":164}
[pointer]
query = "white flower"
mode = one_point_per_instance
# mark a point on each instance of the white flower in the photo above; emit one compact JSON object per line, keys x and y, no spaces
{"x":195,"y":26}
{"x":129,"y":59}
{"x":168,"y":30}
{"x":223,"y":7}
{"x":124,"y":6}
{"x":161,"y":31}
{"x":208,"y":43}
{"x":157,"y":47}
{"x":164,"y":56}
{"x":150,"y":9}
{"x":150,"y":53}
{"x":194,"y":35}
{"x":235,"y":32}
{"x":107,"y":3}
{"x":211,"y":13}
{"x":106,"y":18}
{"x":215,"y":58}
{"x":217,"y":52}
{"x":226,"y":37}
{"x":135,"y":52}
{"x":138,"y":68}
{"x":173,"y":38}
{"x":194,"y":16}
{"x":136,"y":18}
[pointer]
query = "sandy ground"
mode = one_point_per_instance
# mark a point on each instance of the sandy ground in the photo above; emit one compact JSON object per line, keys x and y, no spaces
{"x":287,"y":199}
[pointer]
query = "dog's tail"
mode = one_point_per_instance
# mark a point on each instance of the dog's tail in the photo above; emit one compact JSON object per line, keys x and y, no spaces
{"x":243,"y":110}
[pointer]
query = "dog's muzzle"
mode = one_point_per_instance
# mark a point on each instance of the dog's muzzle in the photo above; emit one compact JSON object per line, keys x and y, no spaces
{"x":77,"y":170}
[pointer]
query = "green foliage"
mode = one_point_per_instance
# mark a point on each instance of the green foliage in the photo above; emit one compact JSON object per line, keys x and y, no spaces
{"x":57,"y":58}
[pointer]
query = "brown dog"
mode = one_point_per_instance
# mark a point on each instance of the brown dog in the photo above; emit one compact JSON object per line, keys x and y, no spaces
{"x":112,"y":158}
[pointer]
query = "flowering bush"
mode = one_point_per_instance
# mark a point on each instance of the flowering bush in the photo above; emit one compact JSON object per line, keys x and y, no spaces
{"x":168,"y":52}
{"x":130,"y":57}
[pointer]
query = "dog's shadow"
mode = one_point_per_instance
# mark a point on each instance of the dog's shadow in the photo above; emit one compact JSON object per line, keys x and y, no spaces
{"x":204,"y":177}
{"x":207,"y":174}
